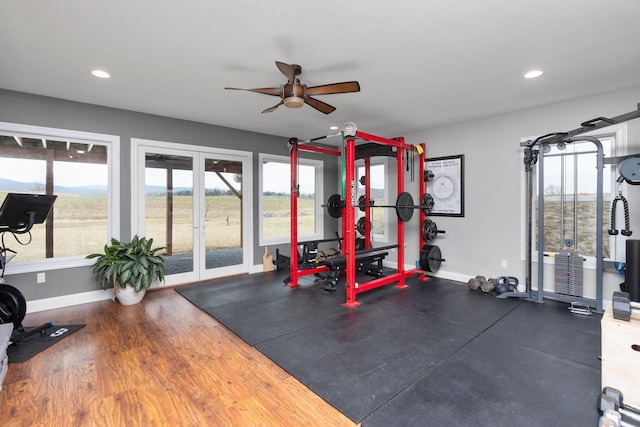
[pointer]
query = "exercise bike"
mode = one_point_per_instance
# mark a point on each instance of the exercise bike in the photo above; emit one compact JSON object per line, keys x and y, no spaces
{"x":18,"y":214}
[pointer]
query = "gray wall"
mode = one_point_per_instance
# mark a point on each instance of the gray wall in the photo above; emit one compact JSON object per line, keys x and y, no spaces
{"x":491,"y":228}
{"x":489,"y":232}
{"x":16,"y":107}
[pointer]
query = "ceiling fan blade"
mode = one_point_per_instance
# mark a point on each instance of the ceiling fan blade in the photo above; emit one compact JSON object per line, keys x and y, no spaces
{"x":288,"y":70}
{"x":272,"y":109}
{"x":344,"y":87}
{"x":275,"y":91}
{"x":323,"y":107}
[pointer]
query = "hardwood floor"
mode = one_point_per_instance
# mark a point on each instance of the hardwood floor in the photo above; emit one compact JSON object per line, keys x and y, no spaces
{"x":161,"y":362}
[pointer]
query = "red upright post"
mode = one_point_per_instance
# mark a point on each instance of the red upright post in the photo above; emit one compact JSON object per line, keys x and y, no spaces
{"x":423,"y":190}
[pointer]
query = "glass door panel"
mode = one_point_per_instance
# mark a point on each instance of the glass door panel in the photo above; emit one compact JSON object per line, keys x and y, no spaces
{"x":223,"y":213}
{"x":169,"y":208}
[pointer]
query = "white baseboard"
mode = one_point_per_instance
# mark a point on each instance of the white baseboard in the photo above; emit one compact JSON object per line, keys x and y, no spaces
{"x":450,"y":275}
{"x":34,"y":306}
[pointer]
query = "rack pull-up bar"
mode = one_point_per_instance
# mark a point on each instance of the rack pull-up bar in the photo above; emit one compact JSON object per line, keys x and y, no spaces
{"x":319,"y":138}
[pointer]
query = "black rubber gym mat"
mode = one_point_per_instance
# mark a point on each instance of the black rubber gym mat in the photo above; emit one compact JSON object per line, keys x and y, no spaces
{"x":371,"y":362}
{"x":36,"y":343}
{"x":550,"y":328}
{"x":495,"y":382}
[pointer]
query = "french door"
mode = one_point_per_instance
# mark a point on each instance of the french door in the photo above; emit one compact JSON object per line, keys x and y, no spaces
{"x":196,"y":202}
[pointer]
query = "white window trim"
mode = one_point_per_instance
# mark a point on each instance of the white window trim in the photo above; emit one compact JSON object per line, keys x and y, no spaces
{"x":112,"y":142}
{"x":384,"y":161}
{"x":319,"y":197}
{"x":616,"y":243}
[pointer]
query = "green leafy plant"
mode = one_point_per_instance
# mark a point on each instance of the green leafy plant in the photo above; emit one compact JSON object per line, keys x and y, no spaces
{"x":135,"y":263}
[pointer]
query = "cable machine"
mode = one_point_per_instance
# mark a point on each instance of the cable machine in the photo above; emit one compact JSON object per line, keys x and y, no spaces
{"x":534,"y":152}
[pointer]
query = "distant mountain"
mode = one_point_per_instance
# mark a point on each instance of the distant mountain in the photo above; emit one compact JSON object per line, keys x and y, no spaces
{"x":17,"y":186}
{"x":100,"y":190}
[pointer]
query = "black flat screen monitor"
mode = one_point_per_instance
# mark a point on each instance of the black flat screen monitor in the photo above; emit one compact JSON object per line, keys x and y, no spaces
{"x":16,"y":208}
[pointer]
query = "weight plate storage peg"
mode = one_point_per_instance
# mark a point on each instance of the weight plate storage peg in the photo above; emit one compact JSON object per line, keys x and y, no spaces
{"x":430,"y":258}
{"x":335,"y":205}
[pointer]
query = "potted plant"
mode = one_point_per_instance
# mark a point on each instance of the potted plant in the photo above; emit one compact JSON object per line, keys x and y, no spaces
{"x":129,"y":268}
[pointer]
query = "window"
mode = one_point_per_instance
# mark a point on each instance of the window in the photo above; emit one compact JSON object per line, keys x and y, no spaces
{"x":75,"y":166}
{"x":570,"y":179}
{"x":378,"y":193}
{"x":275,"y":198}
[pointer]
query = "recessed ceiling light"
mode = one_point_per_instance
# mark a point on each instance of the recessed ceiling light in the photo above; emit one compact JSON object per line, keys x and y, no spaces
{"x":101,"y":73}
{"x":533,"y":74}
{"x":334,"y":127}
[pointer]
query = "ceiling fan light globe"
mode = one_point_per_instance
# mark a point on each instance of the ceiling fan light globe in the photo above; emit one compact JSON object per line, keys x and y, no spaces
{"x":293,"y":102}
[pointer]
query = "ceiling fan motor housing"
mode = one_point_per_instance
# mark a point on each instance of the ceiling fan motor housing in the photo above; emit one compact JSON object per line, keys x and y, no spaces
{"x":293,"y":102}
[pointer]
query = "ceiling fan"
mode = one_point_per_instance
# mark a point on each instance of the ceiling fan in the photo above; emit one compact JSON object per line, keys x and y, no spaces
{"x":294,"y":94}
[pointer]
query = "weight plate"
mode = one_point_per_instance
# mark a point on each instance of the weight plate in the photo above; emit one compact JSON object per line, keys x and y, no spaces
{"x":404,"y":206}
{"x":429,"y":230}
{"x":430,"y":258}
{"x":334,"y":206}
{"x":360,"y":225}
{"x":14,"y":305}
{"x":428,"y":175}
{"x":427,"y":203}
{"x":362,"y":201}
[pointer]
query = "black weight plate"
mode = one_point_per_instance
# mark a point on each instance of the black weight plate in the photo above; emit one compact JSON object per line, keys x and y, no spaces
{"x":427,"y":203}
{"x":429,"y":230}
{"x":404,"y":206}
{"x":334,"y":206}
{"x":362,"y":201}
{"x":14,"y":305}
{"x":428,"y":175}
{"x":360,"y":225}
{"x":430,"y":258}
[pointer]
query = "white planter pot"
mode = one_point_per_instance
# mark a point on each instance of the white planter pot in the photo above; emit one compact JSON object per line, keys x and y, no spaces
{"x":127,"y":296}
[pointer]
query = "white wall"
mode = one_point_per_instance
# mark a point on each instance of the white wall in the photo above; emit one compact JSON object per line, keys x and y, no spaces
{"x":491,"y":229}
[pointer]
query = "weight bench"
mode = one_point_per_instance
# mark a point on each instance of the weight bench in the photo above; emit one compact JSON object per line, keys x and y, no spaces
{"x":369,"y":263}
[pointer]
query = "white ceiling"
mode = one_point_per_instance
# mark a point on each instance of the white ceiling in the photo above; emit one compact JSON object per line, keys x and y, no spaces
{"x":420,"y":63}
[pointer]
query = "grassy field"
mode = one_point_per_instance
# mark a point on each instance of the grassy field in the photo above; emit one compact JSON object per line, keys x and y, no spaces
{"x":80,"y":223}
{"x":586,"y":221}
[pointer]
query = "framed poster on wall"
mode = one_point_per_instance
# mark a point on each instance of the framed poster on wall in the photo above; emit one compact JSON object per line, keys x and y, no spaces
{"x":447,"y":185}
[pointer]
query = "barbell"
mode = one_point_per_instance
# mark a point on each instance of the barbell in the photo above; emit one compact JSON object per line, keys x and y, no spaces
{"x":404,"y":205}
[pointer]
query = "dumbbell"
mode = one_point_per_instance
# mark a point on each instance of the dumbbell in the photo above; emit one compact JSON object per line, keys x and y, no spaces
{"x":619,"y":398}
{"x":611,"y":418}
{"x":623,"y":307}
{"x":609,"y":403}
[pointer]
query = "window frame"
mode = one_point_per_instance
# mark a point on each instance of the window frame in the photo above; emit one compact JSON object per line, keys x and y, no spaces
{"x":112,"y":143}
{"x":384,"y":162}
{"x":616,"y":244}
{"x":318,"y":200}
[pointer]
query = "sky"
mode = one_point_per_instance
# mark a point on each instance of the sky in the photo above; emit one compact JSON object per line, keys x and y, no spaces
{"x":66,"y":174}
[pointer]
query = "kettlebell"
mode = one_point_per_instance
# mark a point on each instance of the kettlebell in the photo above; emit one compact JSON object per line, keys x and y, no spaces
{"x":506,"y":284}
